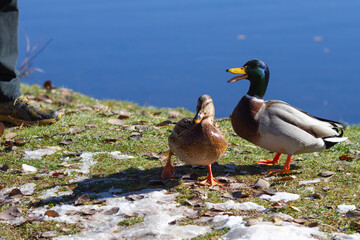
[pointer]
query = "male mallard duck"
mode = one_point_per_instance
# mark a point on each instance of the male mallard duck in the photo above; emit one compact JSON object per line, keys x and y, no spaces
{"x":197,"y":141}
{"x":276,"y":125}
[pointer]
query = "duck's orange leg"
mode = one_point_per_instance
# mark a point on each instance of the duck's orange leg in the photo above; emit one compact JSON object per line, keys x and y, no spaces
{"x":210,"y":180}
{"x":168,"y":171}
{"x":270,"y":162}
{"x":285,"y":170}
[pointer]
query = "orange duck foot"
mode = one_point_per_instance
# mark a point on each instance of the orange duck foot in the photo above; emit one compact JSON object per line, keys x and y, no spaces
{"x":168,"y":171}
{"x":275,"y":172}
{"x":210,"y":181}
{"x":270,"y":162}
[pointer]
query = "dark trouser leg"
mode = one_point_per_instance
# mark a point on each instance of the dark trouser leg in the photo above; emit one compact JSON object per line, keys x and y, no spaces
{"x":9,"y":31}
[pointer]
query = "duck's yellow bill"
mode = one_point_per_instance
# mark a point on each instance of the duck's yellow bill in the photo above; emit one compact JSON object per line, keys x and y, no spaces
{"x":240,"y":70}
{"x":198,"y":117}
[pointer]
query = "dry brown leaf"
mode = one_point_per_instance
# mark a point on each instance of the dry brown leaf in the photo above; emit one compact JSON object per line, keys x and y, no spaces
{"x":10,"y":135}
{"x":346,"y":158}
{"x":82,"y":199}
{"x":15,"y":193}
{"x":10,"y":213}
{"x":135,"y":136}
{"x":116,"y":121}
{"x":52,"y":213}
{"x":88,"y":211}
{"x":300,"y":220}
{"x":66,"y":142}
{"x":91,"y":125}
{"x":76,"y":130}
{"x":4,"y":168}
{"x":288,"y":178}
{"x":111,"y":211}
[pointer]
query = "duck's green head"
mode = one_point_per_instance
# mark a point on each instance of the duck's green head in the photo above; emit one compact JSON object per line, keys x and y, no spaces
{"x":257,"y":72}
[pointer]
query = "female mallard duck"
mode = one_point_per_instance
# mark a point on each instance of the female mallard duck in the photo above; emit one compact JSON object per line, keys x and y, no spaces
{"x":197,"y":141}
{"x":276,"y":125}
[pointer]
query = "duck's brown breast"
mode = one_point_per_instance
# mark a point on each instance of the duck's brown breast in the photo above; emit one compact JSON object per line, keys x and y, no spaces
{"x":243,"y":118}
{"x":202,"y":144}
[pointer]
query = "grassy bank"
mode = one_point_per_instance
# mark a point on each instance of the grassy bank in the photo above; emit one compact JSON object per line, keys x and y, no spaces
{"x":89,"y":125}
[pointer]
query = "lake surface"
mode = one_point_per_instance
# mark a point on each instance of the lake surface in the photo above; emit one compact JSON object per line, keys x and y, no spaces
{"x":168,"y":53}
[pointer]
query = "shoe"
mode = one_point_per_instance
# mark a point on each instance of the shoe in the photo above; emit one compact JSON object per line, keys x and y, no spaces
{"x":22,"y":111}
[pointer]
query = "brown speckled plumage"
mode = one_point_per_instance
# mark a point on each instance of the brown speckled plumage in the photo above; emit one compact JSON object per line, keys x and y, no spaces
{"x":197,"y":144}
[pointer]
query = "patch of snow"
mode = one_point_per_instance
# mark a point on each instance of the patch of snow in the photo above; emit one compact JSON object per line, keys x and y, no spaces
{"x":343,"y":236}
{"x":87,"y":160}
{"x":280,"y":196}
{"x":39,"y":153}
{"x":270,"y":231}
{"x":305,"y":182}
{"x":54,"y":192}
{"x":29,"y":169}
{"x":245,"y":206}
{"x":282,"y":216}
{"x":343,"y":208}
{"x":157,"y":208}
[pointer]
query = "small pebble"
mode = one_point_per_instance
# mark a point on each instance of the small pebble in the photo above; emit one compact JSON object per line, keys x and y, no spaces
{"x":327,"y":174}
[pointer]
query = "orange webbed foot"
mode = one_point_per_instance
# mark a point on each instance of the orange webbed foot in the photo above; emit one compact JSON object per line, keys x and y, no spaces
{"x":210,"y":181}
{"x":270,"y":162}
{"x":168,"y":171}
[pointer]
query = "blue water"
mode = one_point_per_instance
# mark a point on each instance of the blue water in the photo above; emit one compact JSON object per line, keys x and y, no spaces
{"x":167,"y":53}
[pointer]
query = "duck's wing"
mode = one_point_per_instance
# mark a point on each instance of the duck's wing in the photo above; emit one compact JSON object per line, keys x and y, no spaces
{"x":281,"y":115}
{"x":183,"y":125}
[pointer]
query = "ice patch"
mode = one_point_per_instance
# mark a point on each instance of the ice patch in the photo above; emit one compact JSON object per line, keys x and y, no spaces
{"x":317,"y":180}
{"x":343,"y":208}
{"x":29,"y":169}
{"x":39,"y":153}
{"x":269,"y":231}
{"x":157,"y":208}
{"x":245,"y":206}
{"x":87,"y":160}
{"x":280,"y":196}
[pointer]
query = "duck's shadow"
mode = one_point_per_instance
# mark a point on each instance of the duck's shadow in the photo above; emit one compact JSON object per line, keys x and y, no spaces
{"x":133,"y":179}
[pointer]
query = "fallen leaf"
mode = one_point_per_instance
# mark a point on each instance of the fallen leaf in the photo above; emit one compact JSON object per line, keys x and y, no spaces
{"x":10,"y":213}
{"x":4,"y":168}
{"x":15,"y":193}
{"x":116,"y":121}
{"x":326,"y":174}
{"x":194,"y":201}
{"x":91,"y":125}
{"x":111,"y":211}
{"x":300,"y":220}
{"x":88,"y":211}
{"x":294,"y":208}
{"x":66,"y":142}
{"x":10,"y":135}
{"x":352,"y":151}
{"x":52,"y":213}
{"x":345,"y":158}
{"x":135,"y":136}
{"x":49,"y":234}
{"x":76,"y":130}
{"x":288,"y":178}
{"x":111,"y":140}
{"x":82,"y":199}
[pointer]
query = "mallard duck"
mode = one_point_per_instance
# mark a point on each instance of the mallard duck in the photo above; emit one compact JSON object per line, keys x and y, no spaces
{"x":197,"y":141}
{"x":275,"y":125}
